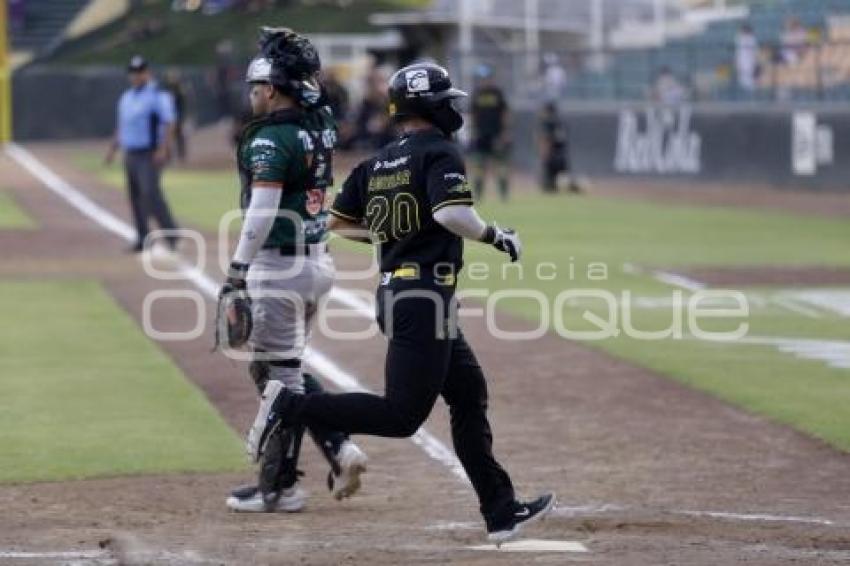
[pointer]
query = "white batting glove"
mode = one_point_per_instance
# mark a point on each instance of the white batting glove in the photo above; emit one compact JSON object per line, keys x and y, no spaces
{"x":505,"y":240}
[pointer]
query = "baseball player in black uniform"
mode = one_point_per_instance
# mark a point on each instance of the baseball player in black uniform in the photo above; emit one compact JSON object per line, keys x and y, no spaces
{"x":415,"y":200}
{"x":554,"y":145}
{"x":491,"y":146}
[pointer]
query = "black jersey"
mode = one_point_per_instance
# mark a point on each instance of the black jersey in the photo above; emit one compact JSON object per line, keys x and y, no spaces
{"x":398,"y":190}
{"x":554,"y":132}
{"x":488,"y":111}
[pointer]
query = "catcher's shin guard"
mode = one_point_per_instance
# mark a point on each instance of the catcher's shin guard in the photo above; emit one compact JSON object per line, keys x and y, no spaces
{"x":278,"y":468}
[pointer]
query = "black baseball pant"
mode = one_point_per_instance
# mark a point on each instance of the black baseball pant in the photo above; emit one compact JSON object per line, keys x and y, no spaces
{"x":424,"y":360}
{"x":146,"y":199}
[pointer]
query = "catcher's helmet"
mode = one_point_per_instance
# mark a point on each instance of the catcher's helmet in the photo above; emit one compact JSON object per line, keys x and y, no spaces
{"x":425,"y":90}
{"x":290,"y":62}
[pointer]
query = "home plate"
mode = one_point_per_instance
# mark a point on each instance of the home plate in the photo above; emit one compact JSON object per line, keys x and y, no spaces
{"x":534,"y":545}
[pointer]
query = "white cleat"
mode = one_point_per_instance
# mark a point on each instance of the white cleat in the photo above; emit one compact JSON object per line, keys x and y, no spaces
{"x":251,"y":500}
{"x":352,"y":463}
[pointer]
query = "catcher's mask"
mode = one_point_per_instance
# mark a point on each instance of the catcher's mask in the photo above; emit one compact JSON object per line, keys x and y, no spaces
{"x":290,"y":63}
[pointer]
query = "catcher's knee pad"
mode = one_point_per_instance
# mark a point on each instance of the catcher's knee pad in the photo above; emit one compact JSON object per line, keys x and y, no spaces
{"x":259,"y":372}
{"x":263,"y":368}
{"x":287,"y":372}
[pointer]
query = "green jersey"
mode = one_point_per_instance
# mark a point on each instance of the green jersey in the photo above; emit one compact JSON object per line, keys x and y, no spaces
{"x":291,"y":149}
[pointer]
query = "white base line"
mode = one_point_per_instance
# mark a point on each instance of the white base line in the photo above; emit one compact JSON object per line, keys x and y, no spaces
{"x":608,"y":508}
{"x":794,"y":306}
{"x":689,"y":284}
{"x":677,"y":280}
{"x":666,"y":277}
{"x":71,"y":555}
{"x":323,"y":364}
{"x":758,"y":517}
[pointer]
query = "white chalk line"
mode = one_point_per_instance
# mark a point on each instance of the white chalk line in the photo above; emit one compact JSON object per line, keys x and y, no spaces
{"x":666,"y":277}
{"x":323,"y":364}
{"x":104,"y":557}
{"x":834,"y":353}
{"x":833,"y":299}
{"x":607,"y":508}
{"x":677,"y":280}
{"x":794,"y":306}
{"x":61,"y":555}
{"x":758,"y":517}
{"x":790,"y":301}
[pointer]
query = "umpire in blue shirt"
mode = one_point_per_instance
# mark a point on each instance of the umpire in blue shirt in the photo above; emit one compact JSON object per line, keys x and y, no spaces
{"x":144,"y":133}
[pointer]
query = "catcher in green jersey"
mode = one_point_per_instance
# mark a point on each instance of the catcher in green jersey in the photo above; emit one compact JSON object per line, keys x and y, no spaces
{"x":281,"y":261}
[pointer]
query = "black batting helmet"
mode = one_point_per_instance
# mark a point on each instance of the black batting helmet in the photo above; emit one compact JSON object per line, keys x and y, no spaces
{"x":425,"y":90}
{"x":288,"y":61}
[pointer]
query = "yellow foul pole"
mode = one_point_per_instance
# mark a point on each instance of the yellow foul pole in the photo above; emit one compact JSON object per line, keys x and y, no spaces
{"x":5,"y":77}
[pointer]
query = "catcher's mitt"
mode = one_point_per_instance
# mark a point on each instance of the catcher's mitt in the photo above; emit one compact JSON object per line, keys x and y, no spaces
{"x":233,"y":318}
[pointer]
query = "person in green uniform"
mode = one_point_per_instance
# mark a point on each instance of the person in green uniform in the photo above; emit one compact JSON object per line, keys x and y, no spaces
{"x":284,"y":157}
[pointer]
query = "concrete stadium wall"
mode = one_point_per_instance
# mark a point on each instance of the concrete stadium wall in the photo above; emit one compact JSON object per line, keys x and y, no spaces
{"x":59,"y":103}
{"x":784,"y":147}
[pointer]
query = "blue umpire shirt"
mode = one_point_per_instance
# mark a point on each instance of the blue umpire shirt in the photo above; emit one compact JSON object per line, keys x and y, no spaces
{"x":142,"y":115}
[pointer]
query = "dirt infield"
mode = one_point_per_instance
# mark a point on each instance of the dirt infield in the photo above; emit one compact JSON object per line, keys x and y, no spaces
{"x":771,"y":276}
{"x":814,"y":203}
{"x":647,"y":471}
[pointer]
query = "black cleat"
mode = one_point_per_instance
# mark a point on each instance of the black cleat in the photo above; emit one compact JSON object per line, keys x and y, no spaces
{"x":507,"y":527}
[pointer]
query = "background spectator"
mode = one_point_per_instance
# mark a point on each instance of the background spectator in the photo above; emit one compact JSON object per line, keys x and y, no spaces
{"x":746,"y":58}
{"x":372,"y":123}
{"x":794,"y":41}
{"x":667,"y":88}
{"x":554,"y":78}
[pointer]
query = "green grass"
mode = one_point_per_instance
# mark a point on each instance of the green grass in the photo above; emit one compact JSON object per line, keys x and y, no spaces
{"x":616,"y":231}
{"x":806,"y":394}
{"x":576,"y":234}
{"x":84,"y":393}
{"x":11,"y":216}
{"x":191,"y":38}
{"x":197,"y":198}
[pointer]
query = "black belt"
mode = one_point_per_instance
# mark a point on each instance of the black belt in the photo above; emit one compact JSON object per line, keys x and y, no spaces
{"x":299,"y":249}
{"x":292,"y":363}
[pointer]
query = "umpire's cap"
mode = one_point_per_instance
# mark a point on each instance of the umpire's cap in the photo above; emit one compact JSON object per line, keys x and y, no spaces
{"x":290,"y":62}
{"x":425,"y":90}
{"x":137,"y":64}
